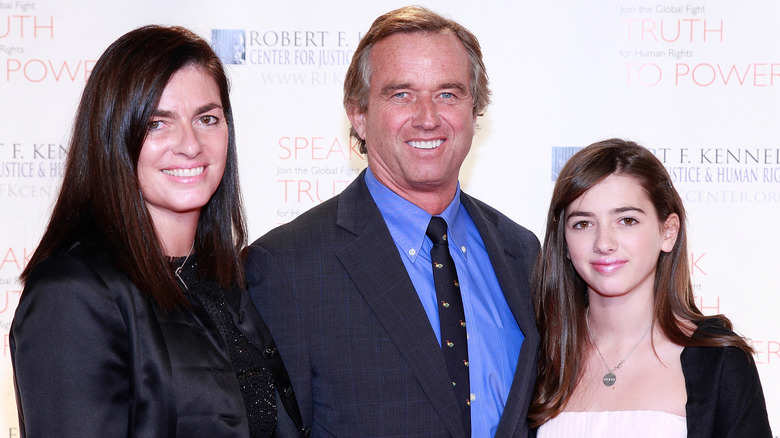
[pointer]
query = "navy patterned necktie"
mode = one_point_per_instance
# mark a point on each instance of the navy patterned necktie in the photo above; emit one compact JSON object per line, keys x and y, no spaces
{"x":452,"y":320}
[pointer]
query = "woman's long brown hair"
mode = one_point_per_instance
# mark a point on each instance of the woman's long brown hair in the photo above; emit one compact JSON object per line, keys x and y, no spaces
{"x":100,"y":199}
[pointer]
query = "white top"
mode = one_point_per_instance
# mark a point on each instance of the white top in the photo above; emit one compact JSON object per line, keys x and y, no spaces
{"x":615,"y":424}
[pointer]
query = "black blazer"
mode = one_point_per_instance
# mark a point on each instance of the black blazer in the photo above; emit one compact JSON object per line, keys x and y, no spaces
{"x":725,"y":398}
{"x":93,"y":356}
{"x":363,"y":358}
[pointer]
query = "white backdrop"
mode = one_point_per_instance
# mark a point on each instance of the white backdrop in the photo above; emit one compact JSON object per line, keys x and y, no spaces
{"x":697,"y":82}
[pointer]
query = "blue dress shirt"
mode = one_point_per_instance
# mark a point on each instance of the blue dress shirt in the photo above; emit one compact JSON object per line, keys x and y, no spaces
{"x":494,"y":338}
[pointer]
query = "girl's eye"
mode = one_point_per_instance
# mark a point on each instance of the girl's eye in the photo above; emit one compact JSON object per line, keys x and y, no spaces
{"x":629,"y":221}
{"x":155,"y":124}
{"x":580,"y":224}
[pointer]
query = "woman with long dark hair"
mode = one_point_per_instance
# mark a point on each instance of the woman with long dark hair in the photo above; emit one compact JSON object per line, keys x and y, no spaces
{"x":624,"y":349}
{"x":133,"y":320}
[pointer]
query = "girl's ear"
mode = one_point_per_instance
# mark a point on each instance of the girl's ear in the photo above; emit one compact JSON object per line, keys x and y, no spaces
{"x":670,"y":232}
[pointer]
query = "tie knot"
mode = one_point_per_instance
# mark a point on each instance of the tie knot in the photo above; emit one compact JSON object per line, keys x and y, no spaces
{"x":437,"y":230}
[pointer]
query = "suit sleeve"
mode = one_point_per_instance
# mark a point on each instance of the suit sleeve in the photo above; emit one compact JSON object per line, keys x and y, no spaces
{"x":274,"y":296}
{"x":70,"y":353}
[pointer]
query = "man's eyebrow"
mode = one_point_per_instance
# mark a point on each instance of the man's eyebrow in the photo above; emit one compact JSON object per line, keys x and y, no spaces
{"x":390,"y":88}
{"x":455,"y":85}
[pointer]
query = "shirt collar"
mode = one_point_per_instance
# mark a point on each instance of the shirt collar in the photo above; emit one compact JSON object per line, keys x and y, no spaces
{"x":407,"y":222}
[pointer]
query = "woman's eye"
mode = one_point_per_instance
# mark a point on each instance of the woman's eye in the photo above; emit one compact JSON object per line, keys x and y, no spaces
{"x":208,"y":120}
{"x":155,"y":124}
{"x":629,"y":221}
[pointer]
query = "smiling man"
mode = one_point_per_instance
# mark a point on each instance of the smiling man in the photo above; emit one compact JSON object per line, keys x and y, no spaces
{"x":386,"y":331}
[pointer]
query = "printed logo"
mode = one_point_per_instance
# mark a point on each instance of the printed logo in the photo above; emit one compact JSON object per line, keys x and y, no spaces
{"x":560,"y":155}
{"x":229,"y":45}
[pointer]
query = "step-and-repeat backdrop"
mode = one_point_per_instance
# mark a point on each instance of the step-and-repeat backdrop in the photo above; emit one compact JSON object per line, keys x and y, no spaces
{"x":697,"y":81}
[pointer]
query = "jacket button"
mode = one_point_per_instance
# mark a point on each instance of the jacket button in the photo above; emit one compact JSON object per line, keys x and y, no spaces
{"x":270,"y":352}
{"x":241,"y":317}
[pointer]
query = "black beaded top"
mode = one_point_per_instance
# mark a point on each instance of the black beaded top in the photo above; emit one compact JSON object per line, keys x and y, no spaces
{"x":252,"y":371}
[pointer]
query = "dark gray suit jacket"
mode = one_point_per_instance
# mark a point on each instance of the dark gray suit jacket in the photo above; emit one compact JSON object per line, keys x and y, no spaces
{"x":361,"y":353}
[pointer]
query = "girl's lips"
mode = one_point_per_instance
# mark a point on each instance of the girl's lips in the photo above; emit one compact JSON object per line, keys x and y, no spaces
{"x":608,"y":266}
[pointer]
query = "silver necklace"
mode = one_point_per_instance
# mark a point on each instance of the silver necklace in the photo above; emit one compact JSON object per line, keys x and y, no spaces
{"x":177,"y":271}
{"x":610,"y":378}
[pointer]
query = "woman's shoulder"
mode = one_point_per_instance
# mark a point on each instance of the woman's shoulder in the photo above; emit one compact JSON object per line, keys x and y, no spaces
{"x":80,"y":269}
{"x":727,"y":359}
{"x":712,"y":327}
{"x":716,"y":328}
{"x":68,"y":294}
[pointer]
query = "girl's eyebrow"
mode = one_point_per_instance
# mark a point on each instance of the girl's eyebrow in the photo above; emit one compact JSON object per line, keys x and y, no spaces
{"x":617,"y":210}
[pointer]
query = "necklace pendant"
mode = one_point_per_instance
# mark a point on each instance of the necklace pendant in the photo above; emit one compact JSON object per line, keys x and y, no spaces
{"x":609,"y":379}
{"x":177,"y":272}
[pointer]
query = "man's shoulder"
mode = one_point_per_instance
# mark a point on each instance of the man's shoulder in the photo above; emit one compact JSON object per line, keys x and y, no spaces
{"x":309,"y":221}
{"x":502,"y":222}
{"x":350,"y":210}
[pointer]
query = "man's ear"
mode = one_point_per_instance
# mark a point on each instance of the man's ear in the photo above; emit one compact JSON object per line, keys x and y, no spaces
{"x":358,"y":120}
{"x":670,"y":232}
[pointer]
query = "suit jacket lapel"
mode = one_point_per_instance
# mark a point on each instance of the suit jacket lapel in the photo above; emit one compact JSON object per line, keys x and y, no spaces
{"x":373,"y":263}
{"x":500,"y":252}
